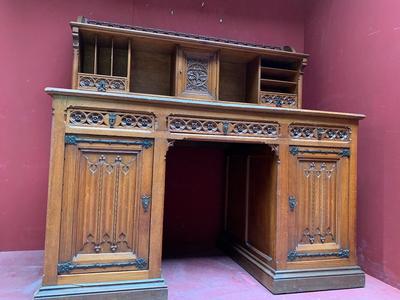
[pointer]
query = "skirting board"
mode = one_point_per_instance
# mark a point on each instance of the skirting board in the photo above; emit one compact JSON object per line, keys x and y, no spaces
{"x":294,"y":281}
{"x":150,"y":289}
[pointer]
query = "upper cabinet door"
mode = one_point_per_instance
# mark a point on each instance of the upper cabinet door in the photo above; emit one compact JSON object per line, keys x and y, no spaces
{"x":318,"y":203}
{"x":106,"y":204}
{"x":196,"y":73}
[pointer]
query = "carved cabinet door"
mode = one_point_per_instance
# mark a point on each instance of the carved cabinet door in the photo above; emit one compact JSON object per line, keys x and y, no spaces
{"x":196,"y":73}
{"x":106,"y":204}
{"x":318,"y":203}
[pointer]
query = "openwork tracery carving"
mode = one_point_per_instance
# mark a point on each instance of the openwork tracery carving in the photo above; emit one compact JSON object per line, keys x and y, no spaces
{"x":108,"y":166}
{"x":319,"y":169}
{"x":197,"y":74}
{"x":318,"y":236}
{"x":299,"y":131}
{"x":181,"y":124}
{"x":102,"y":83}
{"x":278,"y":100}
{"x":111,"y":119}
{"x":106,"y":244}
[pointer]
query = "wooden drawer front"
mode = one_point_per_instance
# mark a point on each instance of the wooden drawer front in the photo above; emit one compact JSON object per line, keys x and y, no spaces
{"x":78,"y":117}
{"x":313,"y":132}
{"x":192,"y":125}
{"x":318,"y":203}
{"x":106,"y":205}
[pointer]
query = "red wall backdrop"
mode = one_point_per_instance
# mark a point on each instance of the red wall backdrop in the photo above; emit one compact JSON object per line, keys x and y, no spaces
{"x":355,"y":66}
{"x":354,"y":63}
{"x":36,"y":51}
{"x":194,"y":199}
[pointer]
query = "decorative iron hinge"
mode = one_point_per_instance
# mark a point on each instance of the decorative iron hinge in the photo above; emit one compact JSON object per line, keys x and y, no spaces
{"x":292,"y":202}
{"x":67,"y":267}
{"x":146,"y":202}
{"x":341,"y":253}
{"x":294,"y":150}
{"x":73,"y":140}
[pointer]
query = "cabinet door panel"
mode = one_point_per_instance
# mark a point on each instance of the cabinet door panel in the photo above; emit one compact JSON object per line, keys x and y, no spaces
{"x":105,"y":209}
{"x":318,"y":214}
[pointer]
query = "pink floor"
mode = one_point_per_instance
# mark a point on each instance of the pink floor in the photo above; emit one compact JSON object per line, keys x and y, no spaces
{"x":210,"y":278}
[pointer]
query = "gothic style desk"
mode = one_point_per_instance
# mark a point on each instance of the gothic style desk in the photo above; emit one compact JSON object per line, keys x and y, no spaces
{"x":290,"y":202}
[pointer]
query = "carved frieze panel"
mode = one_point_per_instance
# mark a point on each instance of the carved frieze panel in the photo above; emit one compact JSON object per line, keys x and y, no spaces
{"x":102,"y":83}
{"x":183,"y":124}
{"x":119,"y":120}
{"x":311,"y":132}
{"x":278,"y":99}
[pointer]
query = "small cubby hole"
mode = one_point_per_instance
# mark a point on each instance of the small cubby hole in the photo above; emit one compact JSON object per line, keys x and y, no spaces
{"x":152,"y":67}
{"x":238,"y":79}
{"x":279,"y":74}
{"x":104,"y":55}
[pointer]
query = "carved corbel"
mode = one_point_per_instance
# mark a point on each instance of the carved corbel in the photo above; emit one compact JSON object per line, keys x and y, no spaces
{"x":170,"y":143}
{"x":275,"y":150}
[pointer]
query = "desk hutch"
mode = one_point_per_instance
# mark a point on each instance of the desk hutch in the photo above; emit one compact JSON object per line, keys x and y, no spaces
{"x":290,"y":203}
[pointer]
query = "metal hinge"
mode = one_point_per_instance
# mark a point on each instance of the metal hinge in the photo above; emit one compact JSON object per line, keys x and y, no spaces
{"x":146,"y":202}
{"x":292,"y":202}
{"x":341,"y":253}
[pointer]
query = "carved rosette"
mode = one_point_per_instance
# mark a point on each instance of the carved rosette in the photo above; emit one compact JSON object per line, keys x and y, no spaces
{"x":180,"y":124}
{"x":197,"y":75}
{"x":102,"y":83}
{"x":278,"y":100}
{"x":300,"y":131}
{"x":117,"y":120}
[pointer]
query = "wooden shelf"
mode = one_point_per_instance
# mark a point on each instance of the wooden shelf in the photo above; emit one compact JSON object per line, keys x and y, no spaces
{"x":155,"y":66}
{"x":270,"y":85}
{"x":280,"y":63}
{"x":278,"y":74}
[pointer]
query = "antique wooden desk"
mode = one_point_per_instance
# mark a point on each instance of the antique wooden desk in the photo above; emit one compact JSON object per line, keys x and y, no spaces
{"x":290,"y":199}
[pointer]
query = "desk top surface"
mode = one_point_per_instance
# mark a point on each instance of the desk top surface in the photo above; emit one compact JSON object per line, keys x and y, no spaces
{"x":178,"y":101}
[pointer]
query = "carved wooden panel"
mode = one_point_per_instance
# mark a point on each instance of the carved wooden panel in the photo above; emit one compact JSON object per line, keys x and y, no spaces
{"x":317,"y":201}
{"x":102,"y":83}
{"x":196,"y":74}
{"x":106,"y":200}
{"x":278,"y":99}
{"x":311,"y":132}
{"x":251,"y":198}
{"x":184,"y":124}
{"x":261,"y":202}
{"x":118,"y":120}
